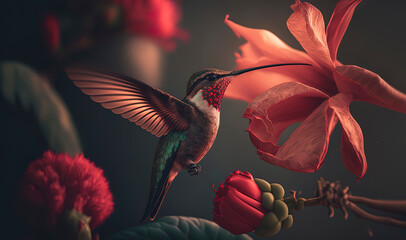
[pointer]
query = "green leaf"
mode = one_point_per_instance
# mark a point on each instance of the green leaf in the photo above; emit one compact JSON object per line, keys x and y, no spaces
{"x":22,"y":86}
{"x":179,"y":228}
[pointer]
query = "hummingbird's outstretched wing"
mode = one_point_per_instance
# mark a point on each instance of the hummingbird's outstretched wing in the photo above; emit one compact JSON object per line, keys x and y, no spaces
{"x":150,"y":108}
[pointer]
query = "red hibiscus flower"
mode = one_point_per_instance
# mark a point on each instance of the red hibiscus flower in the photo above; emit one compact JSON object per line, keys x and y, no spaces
{"x":237,"y":205}
{"x":157,"y":19}
{"x":59,"y":186}
{"x":318,"y":96}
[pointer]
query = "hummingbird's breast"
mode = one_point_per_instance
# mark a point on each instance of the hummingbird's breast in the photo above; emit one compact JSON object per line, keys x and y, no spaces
{"x":201,"y":133}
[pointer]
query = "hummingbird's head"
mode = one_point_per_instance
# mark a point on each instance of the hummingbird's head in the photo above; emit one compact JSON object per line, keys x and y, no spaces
{"x":210,"y":84}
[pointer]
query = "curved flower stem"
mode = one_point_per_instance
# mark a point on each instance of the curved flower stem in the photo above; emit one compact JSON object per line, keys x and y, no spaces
{"x":378,"y":219}
{"x":396,"y":206}
{"x":380,"y":204}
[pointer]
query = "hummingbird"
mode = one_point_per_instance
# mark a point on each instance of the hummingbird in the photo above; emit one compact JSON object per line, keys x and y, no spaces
{"x":187,"y":128}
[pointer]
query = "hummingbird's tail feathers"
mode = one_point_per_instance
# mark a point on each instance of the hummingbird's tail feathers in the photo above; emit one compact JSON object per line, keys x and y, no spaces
{"x":154,"y":205}
{"x":162,"y":172}
{"x":158,"y":204}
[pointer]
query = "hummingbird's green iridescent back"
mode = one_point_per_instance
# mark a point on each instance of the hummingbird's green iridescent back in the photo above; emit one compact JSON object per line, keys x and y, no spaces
{"x":168,"y":147}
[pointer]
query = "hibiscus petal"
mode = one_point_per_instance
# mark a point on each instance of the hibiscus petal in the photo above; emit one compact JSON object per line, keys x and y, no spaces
{"x":367,"y":86}
{"x":264,"y":43}
{"x":338,"y":24}
{"x":259,"y":125}
{"x":276,"y":109}
{"x":352,"y":140}
{"x":305,"y":149}
{"x":263,"y":48}
{"x":260,"y":135}
{"x":248,"y":86}
{"x":307,"y":25}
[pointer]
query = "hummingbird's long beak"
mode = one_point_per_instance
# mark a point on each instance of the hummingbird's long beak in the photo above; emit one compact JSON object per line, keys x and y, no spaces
{"x":238,"y":72}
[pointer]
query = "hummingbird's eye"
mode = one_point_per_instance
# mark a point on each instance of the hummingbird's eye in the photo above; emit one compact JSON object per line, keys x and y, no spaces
{"x":211,"y":77}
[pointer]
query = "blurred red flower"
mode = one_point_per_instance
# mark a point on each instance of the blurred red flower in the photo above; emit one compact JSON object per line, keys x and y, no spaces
{"x":58,"y":182}
{"x":318,"y":96}
{"x":156,"y":19}
{"x":51,"y":32}
{"x":237,"y":205}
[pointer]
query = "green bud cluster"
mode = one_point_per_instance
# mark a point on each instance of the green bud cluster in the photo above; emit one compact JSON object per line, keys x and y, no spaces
{"x":279,"y":215}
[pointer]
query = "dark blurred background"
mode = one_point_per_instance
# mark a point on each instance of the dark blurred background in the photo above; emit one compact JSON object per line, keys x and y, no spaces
{"x":374,"y":40}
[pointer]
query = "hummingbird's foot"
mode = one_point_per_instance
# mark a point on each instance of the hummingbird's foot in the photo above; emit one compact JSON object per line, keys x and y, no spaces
{"x":194,"y":169}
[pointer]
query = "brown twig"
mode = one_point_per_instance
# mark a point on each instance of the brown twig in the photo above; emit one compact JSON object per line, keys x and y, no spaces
{"x":378,"y":219}
{"x":317,"y":201}
{"x":332,"y":195}
{"x":396,"y":206}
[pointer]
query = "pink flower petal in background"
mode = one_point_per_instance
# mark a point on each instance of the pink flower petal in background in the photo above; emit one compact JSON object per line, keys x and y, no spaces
{"x":307,"y":25}
{"x":352,"y":140}
{"x":338,"y":24}
{"x":369,"y":87}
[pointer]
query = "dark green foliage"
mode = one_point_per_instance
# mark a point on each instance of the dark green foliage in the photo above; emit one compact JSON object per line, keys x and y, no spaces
{"x":22,"y":87}
{"x":178,"y":228}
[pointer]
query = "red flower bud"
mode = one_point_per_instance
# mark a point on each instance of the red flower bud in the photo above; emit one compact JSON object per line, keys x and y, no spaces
{"x":237,"y":205}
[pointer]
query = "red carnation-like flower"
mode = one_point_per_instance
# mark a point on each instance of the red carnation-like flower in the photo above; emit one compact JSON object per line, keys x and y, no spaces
{"x":318,"y":96}
{"x":237,"y":205}
{"x":58,"y":183}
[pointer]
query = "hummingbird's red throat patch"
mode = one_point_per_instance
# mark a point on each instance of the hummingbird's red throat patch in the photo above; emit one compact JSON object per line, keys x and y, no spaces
{"x":214,"y":94}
